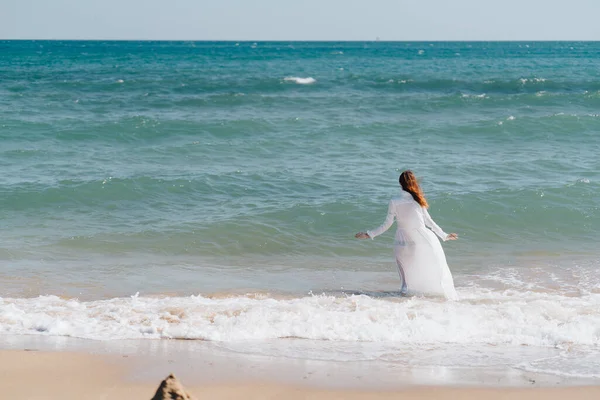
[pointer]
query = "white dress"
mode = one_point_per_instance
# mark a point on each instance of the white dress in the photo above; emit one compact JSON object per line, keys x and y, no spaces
{"x":419,"y":255}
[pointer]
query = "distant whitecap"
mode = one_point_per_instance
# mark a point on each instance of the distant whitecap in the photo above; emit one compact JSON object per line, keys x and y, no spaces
{"x":476,"y":96}
{"x":300,"y":81}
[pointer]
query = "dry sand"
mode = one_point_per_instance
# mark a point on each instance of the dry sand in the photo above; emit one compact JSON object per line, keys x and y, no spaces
{"x":36,"y":375}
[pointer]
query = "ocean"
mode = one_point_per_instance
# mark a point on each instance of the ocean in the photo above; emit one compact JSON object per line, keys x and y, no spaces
{"x":212,"y":190}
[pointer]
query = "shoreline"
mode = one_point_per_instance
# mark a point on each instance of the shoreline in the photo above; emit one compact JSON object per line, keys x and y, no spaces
{"x":199,"y":363}
{"x":75,"y":375}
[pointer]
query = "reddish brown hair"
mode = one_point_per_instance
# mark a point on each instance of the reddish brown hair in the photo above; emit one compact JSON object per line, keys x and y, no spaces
{"x":409,"y":183}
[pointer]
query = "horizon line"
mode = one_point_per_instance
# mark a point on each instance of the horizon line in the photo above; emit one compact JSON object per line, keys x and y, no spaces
{"x":302,"y":40}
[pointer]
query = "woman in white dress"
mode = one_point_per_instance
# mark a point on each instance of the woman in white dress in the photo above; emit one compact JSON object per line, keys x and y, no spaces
{"x":419,"y":255}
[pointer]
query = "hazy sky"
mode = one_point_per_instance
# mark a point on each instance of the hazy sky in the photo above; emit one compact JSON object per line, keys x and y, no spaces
{"x":301,"y":19}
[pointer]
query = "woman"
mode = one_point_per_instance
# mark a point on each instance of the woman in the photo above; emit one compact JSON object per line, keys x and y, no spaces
{"x":421,"y":261}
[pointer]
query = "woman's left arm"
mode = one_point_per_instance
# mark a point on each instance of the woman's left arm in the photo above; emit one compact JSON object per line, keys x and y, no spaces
{"x":389,"y":220}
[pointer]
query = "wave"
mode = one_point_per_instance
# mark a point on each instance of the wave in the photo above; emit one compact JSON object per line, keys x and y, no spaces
{"x":153,"y":89}
{"x":222,"y":214}
{"x":144,"y":88}
{"x":410,"y":84}
{"x":480,"y":317}
{"x":300,"y":81}
{"x":98,"y":193}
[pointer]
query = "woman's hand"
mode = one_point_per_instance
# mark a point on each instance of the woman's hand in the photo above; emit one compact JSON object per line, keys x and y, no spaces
{"x":452,"y":236}
{"x":362,"y":235}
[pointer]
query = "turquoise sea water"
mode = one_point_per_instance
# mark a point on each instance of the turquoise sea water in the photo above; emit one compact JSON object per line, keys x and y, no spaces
{"x":202,"y":168}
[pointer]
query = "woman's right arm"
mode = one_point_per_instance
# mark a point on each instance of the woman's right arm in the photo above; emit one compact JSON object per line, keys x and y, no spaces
{"x":430,"y":223}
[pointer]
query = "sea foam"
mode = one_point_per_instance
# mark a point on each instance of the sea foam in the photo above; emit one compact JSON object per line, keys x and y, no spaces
{"x":482,"y":317}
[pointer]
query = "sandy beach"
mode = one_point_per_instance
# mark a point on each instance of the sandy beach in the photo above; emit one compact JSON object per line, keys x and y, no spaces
{"x":41,"y":374}
{"x":66,"y":376}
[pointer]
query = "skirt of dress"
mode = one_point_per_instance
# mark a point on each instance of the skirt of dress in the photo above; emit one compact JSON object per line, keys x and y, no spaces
{"x":422,"y":266}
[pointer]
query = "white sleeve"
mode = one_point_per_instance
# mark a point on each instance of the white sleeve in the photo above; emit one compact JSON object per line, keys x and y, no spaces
{"x":389,"y":220}
{"x":433,"y":226}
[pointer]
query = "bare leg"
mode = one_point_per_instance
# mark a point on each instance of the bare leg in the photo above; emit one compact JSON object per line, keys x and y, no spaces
{"x":404,"y":288}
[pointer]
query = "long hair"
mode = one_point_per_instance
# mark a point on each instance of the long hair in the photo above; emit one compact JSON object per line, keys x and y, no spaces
{"x":409,"y":183}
